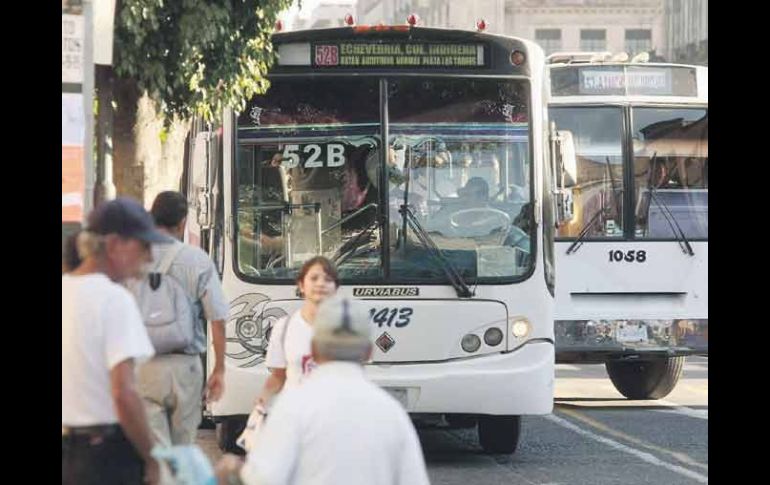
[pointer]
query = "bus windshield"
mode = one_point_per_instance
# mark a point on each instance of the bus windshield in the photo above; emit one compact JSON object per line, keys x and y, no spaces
{"x":671,"y":161}
{"x":308,"y":177}
{"x":598,"y":191}
{"x":465,"y":144}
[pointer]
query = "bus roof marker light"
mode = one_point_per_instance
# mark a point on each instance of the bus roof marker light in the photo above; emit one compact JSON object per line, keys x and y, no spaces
{"x":517,"y":58}
{"x":349,"y":21}
{"x":412,"y":19}
{"x":641,"y":58}
{"x":481,"y":25}
{"x":620,"y":57}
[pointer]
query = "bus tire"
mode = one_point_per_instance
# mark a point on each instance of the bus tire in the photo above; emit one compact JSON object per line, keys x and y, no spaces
{"x":228,"y":430}
{"x":499,"y":434}
{"x":645,"y":379}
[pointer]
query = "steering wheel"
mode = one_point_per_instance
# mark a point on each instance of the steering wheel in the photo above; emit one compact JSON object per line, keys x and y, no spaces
{"x":479,"y":220}
{"x":250,"y":269}
{"x":517,"y":234}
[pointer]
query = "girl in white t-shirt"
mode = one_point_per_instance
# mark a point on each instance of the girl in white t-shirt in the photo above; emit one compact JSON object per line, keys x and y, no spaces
{"x":289,"y":355}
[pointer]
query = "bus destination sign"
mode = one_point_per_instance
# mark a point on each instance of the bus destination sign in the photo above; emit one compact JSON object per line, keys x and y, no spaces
{"x":614,"y":80}
{"x":401,"y":54}
{"x":649,"y":81}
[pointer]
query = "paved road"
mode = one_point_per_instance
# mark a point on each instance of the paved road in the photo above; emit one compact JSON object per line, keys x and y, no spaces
{"x":594,"y":436}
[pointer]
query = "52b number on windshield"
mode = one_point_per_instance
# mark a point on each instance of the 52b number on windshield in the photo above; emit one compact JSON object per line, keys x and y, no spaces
{"x":631,"y":256}
{"x":398,"y":317}
{"x":313,"y":156}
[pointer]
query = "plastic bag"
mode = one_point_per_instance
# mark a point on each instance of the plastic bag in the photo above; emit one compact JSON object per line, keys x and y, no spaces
{"x":188,"y":464}
{"x":254,"y":424}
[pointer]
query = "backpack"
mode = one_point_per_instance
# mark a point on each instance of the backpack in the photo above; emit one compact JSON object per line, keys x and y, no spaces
{"x":165,"y":307}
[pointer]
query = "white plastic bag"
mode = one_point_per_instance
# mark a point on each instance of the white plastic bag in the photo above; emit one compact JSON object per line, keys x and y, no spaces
{"x":184,"y":465}
{"x":254,"y":424}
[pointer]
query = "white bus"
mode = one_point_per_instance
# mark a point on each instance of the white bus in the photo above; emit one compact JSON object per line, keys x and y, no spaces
{"x":451,"y":246}
{"x":632,"y":286}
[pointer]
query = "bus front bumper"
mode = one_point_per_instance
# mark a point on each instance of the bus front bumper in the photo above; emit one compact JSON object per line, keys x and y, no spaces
{"x":595,"y":341}
{"x":519,"y":382}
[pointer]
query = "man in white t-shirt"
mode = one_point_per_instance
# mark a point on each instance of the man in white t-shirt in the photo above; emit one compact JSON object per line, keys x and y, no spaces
{"x":337,"y":428}
{"x":105,"y":435}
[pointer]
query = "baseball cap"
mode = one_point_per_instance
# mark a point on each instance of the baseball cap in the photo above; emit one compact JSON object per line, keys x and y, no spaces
{"x":342,"y":322}
{"x":127,"y":218}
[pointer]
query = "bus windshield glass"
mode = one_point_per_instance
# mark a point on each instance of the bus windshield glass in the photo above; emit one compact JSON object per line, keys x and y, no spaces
{"x":671,"y":171}
{"x":308,"y":178}
{"x":464,"y":144}
{"x":306,"y":153}
{"x":598,"y":191}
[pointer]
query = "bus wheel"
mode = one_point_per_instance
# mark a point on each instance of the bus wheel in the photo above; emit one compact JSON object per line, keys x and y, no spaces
{"x":228,"y":430}
{"x":645,"y":379}
{"x":499,"y":434}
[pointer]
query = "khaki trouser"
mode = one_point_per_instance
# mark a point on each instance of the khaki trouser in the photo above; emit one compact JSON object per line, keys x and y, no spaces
{"x":172,"y":388}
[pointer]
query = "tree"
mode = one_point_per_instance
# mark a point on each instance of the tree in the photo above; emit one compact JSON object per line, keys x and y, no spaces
{"x":174,"y":59}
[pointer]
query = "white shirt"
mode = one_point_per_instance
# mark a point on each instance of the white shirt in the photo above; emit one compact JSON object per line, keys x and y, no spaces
{"x":101,"y":327}
{"x":337,"y":428}
{"x":290,"y":349}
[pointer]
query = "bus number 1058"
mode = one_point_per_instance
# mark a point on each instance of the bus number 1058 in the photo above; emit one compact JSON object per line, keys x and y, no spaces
{"x":628,"y":256}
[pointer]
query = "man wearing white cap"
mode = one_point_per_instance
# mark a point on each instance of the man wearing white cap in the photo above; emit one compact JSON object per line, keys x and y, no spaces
{"x":336,"y":428}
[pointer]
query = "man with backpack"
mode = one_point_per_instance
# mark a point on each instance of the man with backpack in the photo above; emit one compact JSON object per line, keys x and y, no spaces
{"x":179,"y":293}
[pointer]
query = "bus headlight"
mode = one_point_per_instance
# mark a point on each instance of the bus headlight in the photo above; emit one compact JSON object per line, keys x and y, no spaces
{"x":520,"y":327}
{"x":493,"y":336}
{"x":470,"y":343}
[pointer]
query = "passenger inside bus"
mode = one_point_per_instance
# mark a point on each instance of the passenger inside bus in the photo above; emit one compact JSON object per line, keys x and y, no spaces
{"x":470,"y":214}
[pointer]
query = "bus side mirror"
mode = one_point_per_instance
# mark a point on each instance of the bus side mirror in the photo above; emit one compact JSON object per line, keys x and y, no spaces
{"x":564,"y":206}
{"x":564,"y":168}
{"x":200,"y":189}
{"x":568,"y":166}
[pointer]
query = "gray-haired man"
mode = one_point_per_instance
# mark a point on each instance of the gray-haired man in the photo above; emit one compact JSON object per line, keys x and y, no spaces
{"x":337,"y":427}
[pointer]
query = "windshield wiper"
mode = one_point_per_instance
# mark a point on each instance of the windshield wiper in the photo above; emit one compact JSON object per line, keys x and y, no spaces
{"x":579,"y":240}
{"x":348,"y":249}
{"x":678,"y":232}
{"x":684,"y":244}
{"x":457,"y":282}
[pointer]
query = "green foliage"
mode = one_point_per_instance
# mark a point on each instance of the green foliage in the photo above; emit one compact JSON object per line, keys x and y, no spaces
{"x":196,"y":57}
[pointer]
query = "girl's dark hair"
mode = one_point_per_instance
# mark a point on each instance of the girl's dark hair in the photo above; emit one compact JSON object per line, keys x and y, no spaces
{"x":325,"y":263}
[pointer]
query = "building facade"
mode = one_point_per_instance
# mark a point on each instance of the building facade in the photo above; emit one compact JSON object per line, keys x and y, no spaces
{"x":688,"y":31}
{"x":631,"y":26}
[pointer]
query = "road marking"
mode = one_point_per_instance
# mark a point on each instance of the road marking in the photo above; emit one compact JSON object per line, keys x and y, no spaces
{"x":632,"y":439}
{"x":644,"y":456}
{"x":683,"y":410}
{"x":567,"y":367}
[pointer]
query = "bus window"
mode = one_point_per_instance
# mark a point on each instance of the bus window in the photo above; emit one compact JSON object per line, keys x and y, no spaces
{"x":598,"y":191}
{"x":465,"y":144}
{"x":671,"y":162}
{"x":305,"y":153}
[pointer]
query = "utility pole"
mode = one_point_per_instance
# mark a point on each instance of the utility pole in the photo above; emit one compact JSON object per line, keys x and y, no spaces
{"x":104,"y":20}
